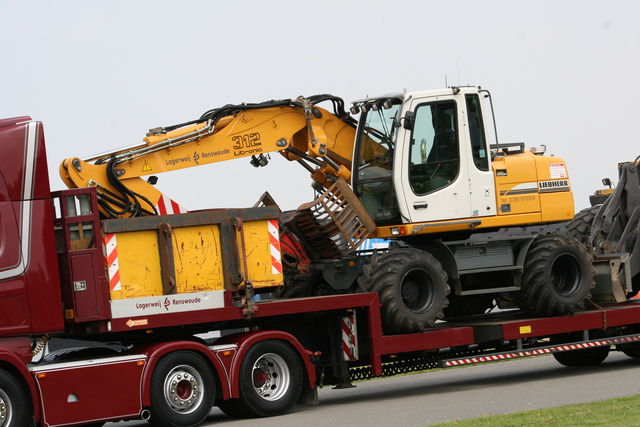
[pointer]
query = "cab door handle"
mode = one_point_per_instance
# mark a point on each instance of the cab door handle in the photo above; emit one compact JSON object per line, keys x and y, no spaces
{"x":420,"y":205}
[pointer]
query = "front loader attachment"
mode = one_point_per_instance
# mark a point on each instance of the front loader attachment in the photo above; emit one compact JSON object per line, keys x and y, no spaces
{"x":334,"y":225}
{"x":613,"y":238}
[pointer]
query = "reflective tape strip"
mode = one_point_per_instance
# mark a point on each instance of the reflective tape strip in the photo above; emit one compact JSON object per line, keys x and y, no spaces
{"x":166,"y":206}
{"x":274,"y":243}
{"x":540,"y":351}
{"x":349,"y":338}
{"x":112,"y":262}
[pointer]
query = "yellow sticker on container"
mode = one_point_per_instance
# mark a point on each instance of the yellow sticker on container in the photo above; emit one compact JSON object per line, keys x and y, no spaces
{"x":525,"y":330}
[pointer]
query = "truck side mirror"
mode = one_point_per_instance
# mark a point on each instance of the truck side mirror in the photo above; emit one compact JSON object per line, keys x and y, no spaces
{"x":409,"y":120}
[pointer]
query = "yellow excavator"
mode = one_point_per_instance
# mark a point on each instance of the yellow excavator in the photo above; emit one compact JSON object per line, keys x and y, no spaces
{"x":469,"y":223}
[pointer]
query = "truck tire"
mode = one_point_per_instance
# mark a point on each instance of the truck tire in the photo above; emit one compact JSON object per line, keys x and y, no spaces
{"x":580,"y":226}
{"x":182,"y":390}
{"x":557,"y":277}
{"x":587,"y":357}
{"x":412,"y":286}
{"x":13,"y":402}
{"x":270,"y":381}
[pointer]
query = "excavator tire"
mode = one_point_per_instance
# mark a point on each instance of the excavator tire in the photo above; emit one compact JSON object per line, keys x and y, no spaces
{"x":580,"y":226}
{"x":412,"y":287}
{"x":557,"y":277}
{"x":307,"y":285}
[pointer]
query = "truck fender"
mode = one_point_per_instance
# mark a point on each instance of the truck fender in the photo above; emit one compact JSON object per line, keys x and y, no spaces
{"x":245,"y":340}
{"x":15,"y":354}
{"x":155,"y":352}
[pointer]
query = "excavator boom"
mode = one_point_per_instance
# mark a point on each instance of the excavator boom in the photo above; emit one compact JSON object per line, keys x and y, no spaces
{"x":298,"y":129}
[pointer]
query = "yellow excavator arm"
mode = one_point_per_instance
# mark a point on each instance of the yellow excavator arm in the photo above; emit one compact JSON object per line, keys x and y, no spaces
{"x":298,"y":129}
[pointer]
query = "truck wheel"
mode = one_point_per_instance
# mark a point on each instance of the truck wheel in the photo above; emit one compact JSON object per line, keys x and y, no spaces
{"x":13,"y":402}
{"x":412,"y":286}
{"x":557,"y":277}
{"x":580,"y":226}
{"x":182,"y":390}
{"x":587,"y":357}
{"x":270,"y":381}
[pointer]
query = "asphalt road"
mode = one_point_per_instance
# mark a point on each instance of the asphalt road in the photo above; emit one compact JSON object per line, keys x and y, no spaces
{"x":455,"y":394}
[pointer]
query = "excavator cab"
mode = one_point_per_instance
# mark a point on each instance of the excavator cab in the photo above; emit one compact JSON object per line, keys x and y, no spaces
{"x":425,"y":157}
{"x":373,"y":172}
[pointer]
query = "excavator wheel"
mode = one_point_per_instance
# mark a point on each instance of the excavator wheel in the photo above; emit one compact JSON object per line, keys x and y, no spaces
{"x":579,"y":227}
{"x":307,"y":285}
{"x":412,"y":286}
{"x":557,"y":277}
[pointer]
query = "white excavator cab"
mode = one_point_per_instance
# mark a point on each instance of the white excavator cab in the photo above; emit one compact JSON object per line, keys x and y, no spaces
{"x":432,"y":157}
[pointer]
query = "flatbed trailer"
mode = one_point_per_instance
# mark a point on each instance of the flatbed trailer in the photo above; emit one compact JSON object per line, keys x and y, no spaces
{"x":334,"y":339}
{"x":144,"y":308}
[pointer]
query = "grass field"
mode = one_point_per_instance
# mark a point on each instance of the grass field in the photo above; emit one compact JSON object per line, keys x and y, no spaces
{"x":618,"y":412}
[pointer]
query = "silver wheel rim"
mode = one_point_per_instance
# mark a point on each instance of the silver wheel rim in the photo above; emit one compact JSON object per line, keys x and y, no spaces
{"x":183,"y":389}
{"x":271,"y":377}
{"x":5,"y":409}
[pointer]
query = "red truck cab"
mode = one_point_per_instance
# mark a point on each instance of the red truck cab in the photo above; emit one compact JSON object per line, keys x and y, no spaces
{"x":27,"y":242}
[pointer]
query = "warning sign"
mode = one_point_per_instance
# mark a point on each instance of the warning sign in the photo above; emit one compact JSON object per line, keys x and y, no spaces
{"x":557,"y":170}
{"x":146,"y":167}
{"x":142,"y":322}
{"x":525,"y":329}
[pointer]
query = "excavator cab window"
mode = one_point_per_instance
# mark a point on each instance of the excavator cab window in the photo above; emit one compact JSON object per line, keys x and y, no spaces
{"x":476,"y":133}
{"x":373,"y":181}
{"x":434,"y":160}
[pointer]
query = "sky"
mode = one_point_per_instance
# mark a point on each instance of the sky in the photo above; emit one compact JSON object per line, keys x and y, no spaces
{"x":99,"y":74}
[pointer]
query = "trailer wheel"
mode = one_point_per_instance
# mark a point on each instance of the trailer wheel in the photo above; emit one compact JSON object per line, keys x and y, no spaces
{"x":270,"y":381}
{"x":182,"y":390}
{"x":557,"y":277}
{"x":632,"y":351}
{"x":587,"y":357}
{"x":412,"y":286}
{"x":13,"y":402}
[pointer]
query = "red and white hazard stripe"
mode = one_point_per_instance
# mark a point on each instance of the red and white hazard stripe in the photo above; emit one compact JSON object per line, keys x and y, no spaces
{"x":539,"y":351}
{"x":166,"y":206}
{"x":274,"y":244}
{"x":113,"y":266}
{"x":349,"y":338}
